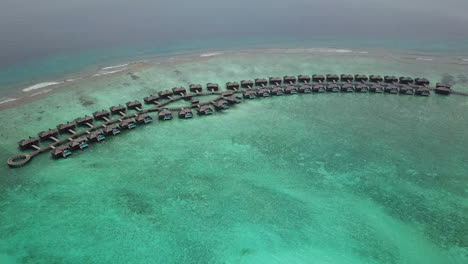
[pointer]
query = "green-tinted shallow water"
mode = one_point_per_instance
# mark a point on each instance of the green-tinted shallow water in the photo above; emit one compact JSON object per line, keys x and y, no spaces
{"x":318,"y":178}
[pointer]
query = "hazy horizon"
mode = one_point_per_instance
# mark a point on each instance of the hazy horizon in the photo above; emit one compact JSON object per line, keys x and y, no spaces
{"x":48,"y":27}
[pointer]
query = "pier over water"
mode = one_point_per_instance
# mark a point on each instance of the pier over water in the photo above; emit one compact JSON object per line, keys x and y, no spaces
{"x":70,"y":136}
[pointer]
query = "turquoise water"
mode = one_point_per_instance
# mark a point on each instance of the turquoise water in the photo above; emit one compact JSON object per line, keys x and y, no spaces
{"x":56,"y":66}
{"x":318,"y":178}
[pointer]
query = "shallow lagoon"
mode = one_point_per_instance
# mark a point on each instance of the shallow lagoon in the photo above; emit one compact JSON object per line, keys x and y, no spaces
{"x":318,"y":178}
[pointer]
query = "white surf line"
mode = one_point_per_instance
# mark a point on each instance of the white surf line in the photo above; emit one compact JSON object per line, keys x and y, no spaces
{"x":40,"y":86}
{"x":8,"y":100}
{"x":115,"y":66}
{"x":73,"y":79}
{"x":313,"y":50}
{"x":211,"y":54}
{"x":329,"y":50}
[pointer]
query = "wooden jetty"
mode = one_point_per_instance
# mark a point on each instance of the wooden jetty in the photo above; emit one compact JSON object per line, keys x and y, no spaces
{"x":78,"y":134}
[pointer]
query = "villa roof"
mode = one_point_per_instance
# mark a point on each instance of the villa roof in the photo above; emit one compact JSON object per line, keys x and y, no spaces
{"x":195,"y":87}
{"x":164,"y":112}
{"x":165,"y":93}
{"x":204,"y":108}
{"x":318,"y":77}
{"x":59,"y":150}
{"x":275,"y":80}
{"x":390,"y":79}
{"x":360,"y":77}
{"x":142,"y":117}
{"x":184,"y":111}
{"x":232,"y":85}
{"x":376,"y":78}
{"x":117,"y":108}
{"x":151,"y":99}
{"x":83,"y":120}
{"x":66,"y":126}
{"x":101,"y":114}
{"x":179,"y":90}
{"x":332,"y":77}
{"x":47,"y":134}
{"x":126,"y":122}
{"x":261,"y":81}
{"x":212,"y":86}
{"x":28,"y":142}
{"x":134,"y":105}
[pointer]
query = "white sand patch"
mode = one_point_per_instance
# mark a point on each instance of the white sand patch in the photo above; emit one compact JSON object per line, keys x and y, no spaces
{"x":294,"y":50}
{"x":310,"y":50}
{"x":108,"y":72}
{"x":41,"y":92}
{"x":115,"y":66}
{"x":73,"y":79}
{"x":343,"y":51}
{"x":211,"y":54}
{"x":328,"y":50}
{"x":8,"y":100}
{"x":40,"y":86}
{"x":425,"y":59}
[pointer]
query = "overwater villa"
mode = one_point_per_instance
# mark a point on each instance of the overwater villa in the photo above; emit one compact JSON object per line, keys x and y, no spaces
{"x":144,"y":119}
{"x":165,"y":115}
{"x":127,"y":123}
{"x":185,"y":113}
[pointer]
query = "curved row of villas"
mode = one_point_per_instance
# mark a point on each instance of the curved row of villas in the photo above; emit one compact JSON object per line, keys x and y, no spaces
{"x":261,"y":87}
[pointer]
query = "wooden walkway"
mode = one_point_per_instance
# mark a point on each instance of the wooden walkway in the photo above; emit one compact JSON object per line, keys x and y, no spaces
{"x":22,"y":159}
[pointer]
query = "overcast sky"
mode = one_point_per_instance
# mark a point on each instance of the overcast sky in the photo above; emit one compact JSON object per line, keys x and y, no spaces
{"x":36,"y":27}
